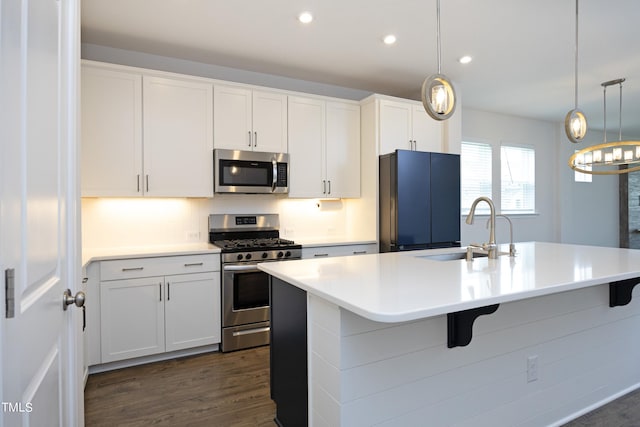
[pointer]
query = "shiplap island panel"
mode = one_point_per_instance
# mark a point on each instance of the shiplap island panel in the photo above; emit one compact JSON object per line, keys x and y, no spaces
{"x":377,"y":336}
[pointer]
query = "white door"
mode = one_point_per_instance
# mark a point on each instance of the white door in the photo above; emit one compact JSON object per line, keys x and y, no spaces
{"x":40,"y":356}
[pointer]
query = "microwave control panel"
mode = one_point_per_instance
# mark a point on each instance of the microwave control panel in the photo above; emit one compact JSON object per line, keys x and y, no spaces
{"x":282,"y":175}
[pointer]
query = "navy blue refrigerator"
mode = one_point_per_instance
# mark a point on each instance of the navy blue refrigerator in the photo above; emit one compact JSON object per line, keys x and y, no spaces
{"x":419,"y":200}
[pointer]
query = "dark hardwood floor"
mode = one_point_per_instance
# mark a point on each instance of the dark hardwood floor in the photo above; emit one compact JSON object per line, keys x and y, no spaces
{"x":213,"y":389}
{"x":232,"y":389}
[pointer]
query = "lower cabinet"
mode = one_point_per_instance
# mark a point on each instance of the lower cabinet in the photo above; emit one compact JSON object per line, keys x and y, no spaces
{"x":141,"y":316}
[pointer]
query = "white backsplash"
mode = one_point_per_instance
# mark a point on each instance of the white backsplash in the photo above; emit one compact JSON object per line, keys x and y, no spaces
{"x":135,"y":222}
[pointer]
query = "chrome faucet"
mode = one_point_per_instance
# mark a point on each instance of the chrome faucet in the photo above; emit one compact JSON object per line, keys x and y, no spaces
{"x":490,"y":248}
{"x":512,"y":247}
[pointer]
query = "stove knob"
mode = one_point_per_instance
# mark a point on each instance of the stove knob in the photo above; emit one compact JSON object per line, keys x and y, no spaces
{"x":287,"y":254}
{"x":248,"y":256}
{"x":264,"y":255}
{"x":280,"y":254}
{"x":239,"y":257}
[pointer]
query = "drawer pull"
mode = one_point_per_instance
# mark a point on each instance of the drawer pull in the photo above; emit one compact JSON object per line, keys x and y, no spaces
{"x":194,"y":264}
{"x":133,"y":269}
{"x":359,"y":252}
{"x":320,"y":255}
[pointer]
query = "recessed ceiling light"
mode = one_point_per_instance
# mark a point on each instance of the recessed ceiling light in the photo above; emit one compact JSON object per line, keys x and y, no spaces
{"x":305,"y":17}
{"x":389,"y":39}
{"x":465,"y":59}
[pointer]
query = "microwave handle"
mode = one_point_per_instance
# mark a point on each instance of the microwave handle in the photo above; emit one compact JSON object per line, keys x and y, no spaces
{"x":275,"y":175}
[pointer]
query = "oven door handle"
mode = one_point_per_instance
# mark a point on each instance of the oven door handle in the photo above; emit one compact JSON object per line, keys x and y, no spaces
{"x":244,"y":268}
{"x":251,"y":331}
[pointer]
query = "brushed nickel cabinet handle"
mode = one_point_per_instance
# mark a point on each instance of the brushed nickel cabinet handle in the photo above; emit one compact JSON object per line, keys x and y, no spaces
{"x":147,"y":183}
{"x":133,"y":269}
{"x":255,"y":139}
{"x":359,"y":252}
{"x":194,"y":264}
{"x":138,"y":180}
{"x":250,"y":142}
{"x":168,"y":291}
{"x":160,"y":288}
{"x":320,"y":255}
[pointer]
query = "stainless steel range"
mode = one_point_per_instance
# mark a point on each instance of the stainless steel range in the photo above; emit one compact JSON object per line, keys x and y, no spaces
{"x":246,"y":240}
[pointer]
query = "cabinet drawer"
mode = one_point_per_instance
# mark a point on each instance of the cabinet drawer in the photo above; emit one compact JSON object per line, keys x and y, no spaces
{"x":158,"y":266}
{"x":338,"y":250}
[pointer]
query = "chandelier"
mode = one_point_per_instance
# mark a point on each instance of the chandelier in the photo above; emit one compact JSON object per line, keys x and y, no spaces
{"x":608,"y":158}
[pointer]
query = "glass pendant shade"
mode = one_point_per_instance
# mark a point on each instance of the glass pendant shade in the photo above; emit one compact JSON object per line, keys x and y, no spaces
{"x":575,"y":125}
{"x":438,"y":97}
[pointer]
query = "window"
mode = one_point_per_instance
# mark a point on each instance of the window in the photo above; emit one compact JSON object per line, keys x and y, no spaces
{"x":518,"y":179}
{"x":475,"y":174}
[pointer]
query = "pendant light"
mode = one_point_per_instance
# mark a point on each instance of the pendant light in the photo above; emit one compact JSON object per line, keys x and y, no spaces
{"x":608,"y":158}
{"x":575,"y":122}
{"x":438,"y":95}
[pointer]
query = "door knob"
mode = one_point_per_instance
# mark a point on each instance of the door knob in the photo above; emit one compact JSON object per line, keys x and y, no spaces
{"x":68,"y":299}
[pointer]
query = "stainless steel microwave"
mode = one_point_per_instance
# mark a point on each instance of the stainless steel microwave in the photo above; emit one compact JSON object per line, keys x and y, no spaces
{"x":236,"y":171}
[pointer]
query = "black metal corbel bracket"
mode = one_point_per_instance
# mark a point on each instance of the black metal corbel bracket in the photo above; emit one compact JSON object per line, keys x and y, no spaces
{"x":460,"y":324}
{"x":620,"y":292}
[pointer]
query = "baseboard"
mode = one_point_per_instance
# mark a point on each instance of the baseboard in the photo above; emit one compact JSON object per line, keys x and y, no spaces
{"x":595,"y":406}
{"x":104,"y":367}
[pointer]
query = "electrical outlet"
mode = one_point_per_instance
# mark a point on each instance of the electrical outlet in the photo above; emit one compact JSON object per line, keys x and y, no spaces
{"x":193,"y":236}
{"x":532,"y":368}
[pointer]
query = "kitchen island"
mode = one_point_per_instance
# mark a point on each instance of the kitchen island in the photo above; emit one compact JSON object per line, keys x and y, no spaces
{"x":409,"y":339}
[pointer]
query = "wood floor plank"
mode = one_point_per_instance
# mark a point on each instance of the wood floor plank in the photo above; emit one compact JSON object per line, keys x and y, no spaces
{"x":214,"y":389}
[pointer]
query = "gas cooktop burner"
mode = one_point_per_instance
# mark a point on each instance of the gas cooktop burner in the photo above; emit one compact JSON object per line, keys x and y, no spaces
{"x":244,"y":238}
{"x":253,"y":243}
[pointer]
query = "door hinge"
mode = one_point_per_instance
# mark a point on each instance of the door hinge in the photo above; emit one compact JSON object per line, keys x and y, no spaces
{"x":9,"y":292}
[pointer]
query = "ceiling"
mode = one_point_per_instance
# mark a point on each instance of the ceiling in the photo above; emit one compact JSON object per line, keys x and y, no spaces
{"x":523,"y":50}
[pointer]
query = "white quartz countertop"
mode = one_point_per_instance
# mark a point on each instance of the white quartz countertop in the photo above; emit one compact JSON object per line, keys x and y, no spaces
{"x":404,"y":286}
{"x":103,"y":254}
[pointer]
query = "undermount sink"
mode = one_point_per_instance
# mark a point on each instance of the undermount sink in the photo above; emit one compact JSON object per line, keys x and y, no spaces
{"x":451,"y":256}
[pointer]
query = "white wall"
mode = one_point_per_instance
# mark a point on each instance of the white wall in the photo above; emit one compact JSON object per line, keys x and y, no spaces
{"x":567,"y":212}
{"x":135,"y":222}
{"x":496,"y":129}
{"x":588,"y":212}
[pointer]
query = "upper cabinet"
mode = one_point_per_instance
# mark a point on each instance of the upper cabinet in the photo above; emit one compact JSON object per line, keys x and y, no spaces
{"x":111,"y":154}
{"x":178,"y":137}
{"x":324,"y":148}
{"x":405,"y":125}
{"x":247,"y":119}
{"x":145,"y":135}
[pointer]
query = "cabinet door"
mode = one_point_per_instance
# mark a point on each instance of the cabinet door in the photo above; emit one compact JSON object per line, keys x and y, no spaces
{"x":111,"y":154}
{"x":343,"y":150}
{"x":192,"y":310}
{"x":427,"y":132}
{"x":178,"y":141}
{"x":233,"y":129}
{"x":269,"y":122}
{"x":395,"y":126}
{"x":306,"y":147}
{"x":131,"y":318}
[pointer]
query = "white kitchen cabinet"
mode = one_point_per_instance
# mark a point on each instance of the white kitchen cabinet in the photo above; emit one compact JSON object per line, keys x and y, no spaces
{"x":405,"y":125}
{"x":178,"y":137}
{"x":247,"y":119}
{"x":111,"y":155}
{"x":190,"y":320}
{"x":324,"y":148}
{"x":155,"y":305}
{"x":132,"y":318}
{"x":338,"y":250}
{"x":145,"y":135}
